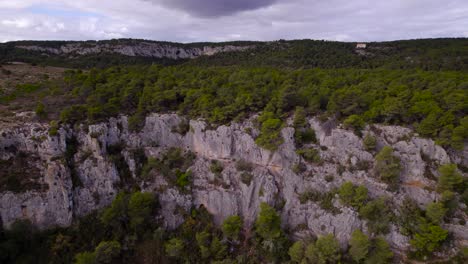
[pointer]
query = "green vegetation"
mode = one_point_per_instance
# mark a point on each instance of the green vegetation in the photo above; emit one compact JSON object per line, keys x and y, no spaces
{"x":450,"y":179}
{"x":423,"y":226}
{"x":378,"y":215}
{"x":354,"y":122}
{"x":174,"y":165}
{"x":232,"y":227}
{"x":426,"y":54}
{"x":270,"y":132}
{"x":421,"y":99}
{"x":129,"y":231}
{"x":276,"y":80}
{"x":326,"y":249}
{"x":40,"y":110}
{"x":435,"y":212}
{"x":268,"y":224}
{"x":324,"y":199}
{"x":428,"y":239}
{"x":370,"y":142}
{"x":370,"y":251}
{"x":388,"y":167}
{"x":352,"y":195}
{"x":105,"y":252}
{"x":303,"y":133}
{"x":309,"y":154}
{"x":243,"y":165}
{"x":359,"y":246}
{"x":216,"y":167}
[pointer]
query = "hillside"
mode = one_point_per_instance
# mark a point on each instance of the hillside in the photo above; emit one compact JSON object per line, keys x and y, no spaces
{"x":135,"y":151}
{"x":426,"y":54}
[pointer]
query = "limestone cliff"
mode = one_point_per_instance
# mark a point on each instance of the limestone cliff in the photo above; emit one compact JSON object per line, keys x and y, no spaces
{"x":142,"y":48}
{"x":79,"y":174}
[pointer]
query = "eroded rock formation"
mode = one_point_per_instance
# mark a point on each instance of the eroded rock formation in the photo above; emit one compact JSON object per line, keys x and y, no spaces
{"x":81,"y":174}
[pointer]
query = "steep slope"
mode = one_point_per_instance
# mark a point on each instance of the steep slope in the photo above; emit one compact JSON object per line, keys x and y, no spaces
{"x":82,"y":169}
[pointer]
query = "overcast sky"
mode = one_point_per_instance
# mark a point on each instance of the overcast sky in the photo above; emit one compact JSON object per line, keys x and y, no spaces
{"x":224,"y":20}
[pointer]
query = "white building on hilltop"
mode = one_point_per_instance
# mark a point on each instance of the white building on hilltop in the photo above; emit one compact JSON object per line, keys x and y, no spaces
{"x":361,"y":46}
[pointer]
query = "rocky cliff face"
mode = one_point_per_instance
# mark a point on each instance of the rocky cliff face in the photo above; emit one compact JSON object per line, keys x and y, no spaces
{"x":143,"y":49}
{"x":81,"y":175}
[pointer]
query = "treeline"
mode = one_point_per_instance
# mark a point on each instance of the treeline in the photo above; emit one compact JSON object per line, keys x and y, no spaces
{"x":9,"y":53}
{"x":434,"y":103}
{"x":425,"y":54}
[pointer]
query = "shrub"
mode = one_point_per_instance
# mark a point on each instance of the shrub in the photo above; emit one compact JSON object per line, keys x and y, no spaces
{"x":216,"y":167}
{"x":53,"y":129}
{"x":136,"y":122}
{"x":106,"y":251}
{"x":297,"y":252}
{"x":243,"y":165}
{"x":182,"y":128}
{"x":210,"y":246}
{"x":310,"y":195}
{"x":352,"y":195}
{"x":370,"y":142}
{"x":85,"y":258}
{"x":149,"y":165}
{"x":73,"y":114}
{"x":329,"y":178}
{"x":232,"y":226}
{"x":246,"y":178}
{"x":359,"y":246}
{"x":175,"y":247}
{"x":380,"y":252}
{"x":435,"y":212}
{"x":378,"y":215}
{"x":40,"y":110}
{"x":299,"y":117}
{"x":428,"y":239}
{"x":299,"y":168}
{"x":268,"y":223}
{"x":304,"y":136}
{"x":450,"y":202}
{"x":354,"y":122}
{"x":270,"y":133}
{"x":388,"y":167}
{"x":325,"y":250}
{"x":449,"y":179}
{"x":310,"y":154}
{"x":409,"y":217}
{"x":183,"y":178}
{"x":140,"y":209}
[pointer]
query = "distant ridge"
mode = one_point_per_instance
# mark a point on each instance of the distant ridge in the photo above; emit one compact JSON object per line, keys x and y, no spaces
{"x":426,"y":54}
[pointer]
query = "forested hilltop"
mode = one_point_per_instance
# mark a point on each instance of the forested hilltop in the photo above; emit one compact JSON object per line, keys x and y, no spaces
{"x":426,"y":54}
{"x":433,"y":103}
{"x":303,"y":151}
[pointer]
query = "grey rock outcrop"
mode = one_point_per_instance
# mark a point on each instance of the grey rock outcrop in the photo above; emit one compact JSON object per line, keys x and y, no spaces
{"x":343,"y":156}
{"x":142,"y":48}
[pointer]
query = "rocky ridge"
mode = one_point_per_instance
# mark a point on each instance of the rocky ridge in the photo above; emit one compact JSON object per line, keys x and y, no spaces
{"x":143,"y":49}
{"x":274,"y":180}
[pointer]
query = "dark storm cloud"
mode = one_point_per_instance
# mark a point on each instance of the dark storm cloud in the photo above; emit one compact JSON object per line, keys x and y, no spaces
{"x":210,"y":8}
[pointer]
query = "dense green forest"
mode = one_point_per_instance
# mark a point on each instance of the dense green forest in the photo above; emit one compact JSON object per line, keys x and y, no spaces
{"x":429,"y":54}
{"x":426,"y":54}
{"x":433,"y":103}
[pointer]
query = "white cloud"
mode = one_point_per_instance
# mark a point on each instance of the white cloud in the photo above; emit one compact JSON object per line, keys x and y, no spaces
{"x":17,"y":23}
{"x":359,"y":20}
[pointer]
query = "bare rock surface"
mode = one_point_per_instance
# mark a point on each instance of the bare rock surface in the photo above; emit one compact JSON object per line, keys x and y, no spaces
{"x":94,"y":179}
